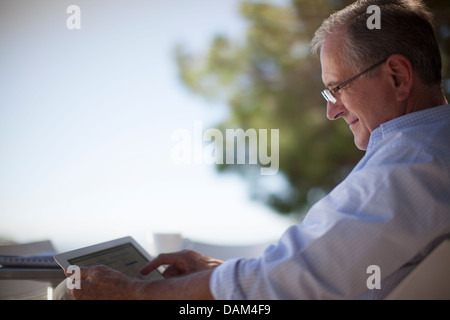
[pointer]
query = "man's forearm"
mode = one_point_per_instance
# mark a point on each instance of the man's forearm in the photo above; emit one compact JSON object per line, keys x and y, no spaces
{"x":194,"y":286}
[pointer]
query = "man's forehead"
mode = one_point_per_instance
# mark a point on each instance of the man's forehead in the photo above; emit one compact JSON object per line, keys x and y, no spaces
{"x":332,"y":63}
{"x":332,"y":74}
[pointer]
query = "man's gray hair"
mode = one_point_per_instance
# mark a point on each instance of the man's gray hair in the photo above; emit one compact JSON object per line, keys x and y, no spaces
{"x":406,"y":28}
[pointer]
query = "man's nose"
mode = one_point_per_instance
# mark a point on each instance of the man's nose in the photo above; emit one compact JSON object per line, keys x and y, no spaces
{"x":335,"y":110}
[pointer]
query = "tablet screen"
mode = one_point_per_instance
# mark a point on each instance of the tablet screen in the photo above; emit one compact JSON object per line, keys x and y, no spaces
{"x":124,"y":258}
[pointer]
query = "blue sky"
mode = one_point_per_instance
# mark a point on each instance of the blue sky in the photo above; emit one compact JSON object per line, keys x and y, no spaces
{"x":86,"y":118}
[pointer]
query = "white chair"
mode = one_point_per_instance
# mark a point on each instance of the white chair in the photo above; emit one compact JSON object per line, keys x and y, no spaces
{"x":165,"y":243}
{"x":172,"y":242}
{"x":225,"y":252}
{"x":430,"y":280}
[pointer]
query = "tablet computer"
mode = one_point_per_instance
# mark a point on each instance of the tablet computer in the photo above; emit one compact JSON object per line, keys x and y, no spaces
{"x":124,"y":255}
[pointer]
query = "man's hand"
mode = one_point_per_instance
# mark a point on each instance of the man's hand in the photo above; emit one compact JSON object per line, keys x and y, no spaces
{"x":101,"y":283}
{"x":181,"y":263}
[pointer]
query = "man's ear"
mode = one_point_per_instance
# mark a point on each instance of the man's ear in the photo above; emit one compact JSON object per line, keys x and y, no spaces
{"x":401,"y":72}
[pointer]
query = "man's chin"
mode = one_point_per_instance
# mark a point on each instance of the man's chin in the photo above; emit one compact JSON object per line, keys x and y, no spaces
{"x":361,"y":144}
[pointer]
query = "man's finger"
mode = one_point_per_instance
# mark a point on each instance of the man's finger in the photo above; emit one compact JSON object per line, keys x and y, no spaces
{"x":171,"y":271}
{"x":84,"y":272}
{"x":162,"y":259}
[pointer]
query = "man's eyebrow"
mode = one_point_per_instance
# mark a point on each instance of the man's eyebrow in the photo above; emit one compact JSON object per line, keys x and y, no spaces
{"x":331,"y":84}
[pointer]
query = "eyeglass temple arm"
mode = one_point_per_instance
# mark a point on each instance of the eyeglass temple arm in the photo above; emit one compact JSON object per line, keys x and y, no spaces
{"x":358,"y":75}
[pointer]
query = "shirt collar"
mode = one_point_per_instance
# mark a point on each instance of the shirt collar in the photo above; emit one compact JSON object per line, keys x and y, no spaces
{"x":422,"y":117}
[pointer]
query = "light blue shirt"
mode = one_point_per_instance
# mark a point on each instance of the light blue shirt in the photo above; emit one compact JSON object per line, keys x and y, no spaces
{"x":390,"y":211}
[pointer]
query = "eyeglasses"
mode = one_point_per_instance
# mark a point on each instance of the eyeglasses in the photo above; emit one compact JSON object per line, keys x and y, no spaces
{"x":329,"y":94}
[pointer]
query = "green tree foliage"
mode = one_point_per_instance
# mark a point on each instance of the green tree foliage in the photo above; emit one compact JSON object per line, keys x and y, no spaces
{"x":271,"y":81}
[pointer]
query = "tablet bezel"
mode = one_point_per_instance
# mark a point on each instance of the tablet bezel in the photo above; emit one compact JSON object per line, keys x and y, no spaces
{"x":63,"y":259}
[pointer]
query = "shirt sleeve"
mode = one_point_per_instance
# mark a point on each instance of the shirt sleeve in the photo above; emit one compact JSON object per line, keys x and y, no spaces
{"x":384,"y":214}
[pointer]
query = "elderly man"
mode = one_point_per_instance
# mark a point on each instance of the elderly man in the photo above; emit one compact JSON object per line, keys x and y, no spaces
{"x":392,"y":209}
